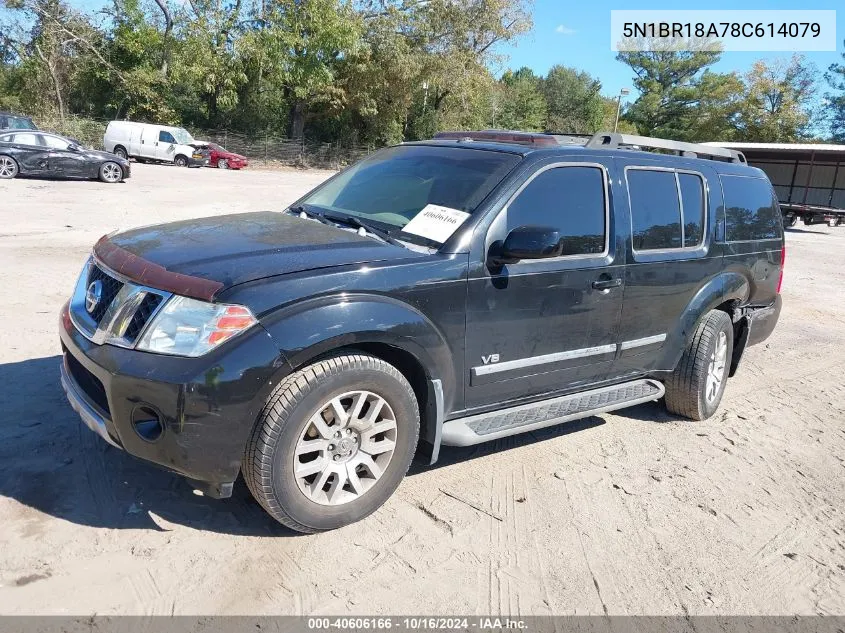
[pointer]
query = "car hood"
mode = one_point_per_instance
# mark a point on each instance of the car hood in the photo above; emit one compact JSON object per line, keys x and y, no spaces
{"x":233,"y":249}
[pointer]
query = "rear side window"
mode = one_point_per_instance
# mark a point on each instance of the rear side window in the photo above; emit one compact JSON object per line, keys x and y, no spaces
{"x":655,"y":209}
{"x":668,"y":209}
{"x":751,"y":210}
{"x":692,"y":208}
{"x":28,"y":139}
{"x":569,"y":199}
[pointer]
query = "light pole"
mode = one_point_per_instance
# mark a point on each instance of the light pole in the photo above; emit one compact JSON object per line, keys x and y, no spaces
{"x":622,"y":93}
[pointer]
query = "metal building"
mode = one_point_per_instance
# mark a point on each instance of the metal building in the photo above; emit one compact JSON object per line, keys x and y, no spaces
{"x":809,"y":178}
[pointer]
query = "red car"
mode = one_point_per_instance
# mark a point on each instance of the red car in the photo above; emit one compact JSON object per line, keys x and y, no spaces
{"x":223,"y":159}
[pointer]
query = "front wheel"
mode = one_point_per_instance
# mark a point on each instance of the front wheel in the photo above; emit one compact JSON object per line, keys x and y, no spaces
{"x":120,"y":152}
{"x":111,"y":172}
{"x":181,"y":161}
{"x":8,"y":167}
{"x":694,"y":389}
{"x":333,"y":442}
{"x":223,"y":164}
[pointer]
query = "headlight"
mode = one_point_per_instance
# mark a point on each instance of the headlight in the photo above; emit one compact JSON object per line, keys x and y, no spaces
{"x":187,"y":327}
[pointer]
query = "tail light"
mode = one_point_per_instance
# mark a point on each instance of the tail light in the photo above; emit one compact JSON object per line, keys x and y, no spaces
{"x":782,"y":263}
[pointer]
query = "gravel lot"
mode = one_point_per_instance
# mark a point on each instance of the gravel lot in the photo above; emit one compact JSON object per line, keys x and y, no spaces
{"x":634,"y":513}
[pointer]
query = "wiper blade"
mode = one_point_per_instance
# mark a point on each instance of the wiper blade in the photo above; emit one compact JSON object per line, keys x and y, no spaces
{"x":300,"y":209}
{"x":381,"y":233}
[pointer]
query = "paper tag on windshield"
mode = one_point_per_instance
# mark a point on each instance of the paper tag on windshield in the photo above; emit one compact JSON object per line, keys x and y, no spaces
{"x":435,"y":222}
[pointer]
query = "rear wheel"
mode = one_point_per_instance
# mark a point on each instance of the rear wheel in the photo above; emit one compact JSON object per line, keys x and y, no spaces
{"x":181,"y":161}
{"x":694,"y":389}
{"x":8,"y":167}
{"x":334,"y":441}
{"x":121,"y":152}
{"x":223,"y":164}
{"x":111,"y":172}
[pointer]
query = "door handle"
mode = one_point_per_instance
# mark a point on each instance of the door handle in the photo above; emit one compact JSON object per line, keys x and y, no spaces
{"x":607,"y":284}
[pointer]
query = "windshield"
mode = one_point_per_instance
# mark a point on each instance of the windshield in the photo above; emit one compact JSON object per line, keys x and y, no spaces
{"x":393,"y":185}
{"x":182,"y":136}
{"x":20,"y":123}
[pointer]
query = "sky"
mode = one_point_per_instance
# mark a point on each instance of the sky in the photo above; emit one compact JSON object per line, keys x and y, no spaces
{"x":577,"y":34}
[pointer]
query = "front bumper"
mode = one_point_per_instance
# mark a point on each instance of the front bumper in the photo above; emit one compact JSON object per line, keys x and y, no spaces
{"x":197,"y":162}
{"x":206,"y":406}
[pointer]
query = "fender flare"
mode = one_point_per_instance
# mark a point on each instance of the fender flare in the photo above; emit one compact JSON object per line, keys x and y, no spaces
{"x":726,"y":287}
{"x":309,"y":329}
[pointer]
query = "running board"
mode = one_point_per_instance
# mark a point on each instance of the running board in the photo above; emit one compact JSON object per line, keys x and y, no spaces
{"x":485,"y":427}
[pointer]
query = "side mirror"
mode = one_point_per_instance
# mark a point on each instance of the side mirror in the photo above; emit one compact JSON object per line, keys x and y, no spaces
{"x":73,"y":147}
{"x":528,"y":242}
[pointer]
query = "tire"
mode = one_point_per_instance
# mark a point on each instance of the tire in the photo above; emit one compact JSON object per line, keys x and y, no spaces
{"x":120,"y":152}
{"x":690,"y":389}
{"x":222,"y":163}
{"x":317,"y":502}
{"x":793,"y":220}
{"x":8,"y":168}
{"x":110,"y":172}
{"x":181,"y":161}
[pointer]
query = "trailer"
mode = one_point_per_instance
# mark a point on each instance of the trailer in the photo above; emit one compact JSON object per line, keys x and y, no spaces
{"x":809,"y":178}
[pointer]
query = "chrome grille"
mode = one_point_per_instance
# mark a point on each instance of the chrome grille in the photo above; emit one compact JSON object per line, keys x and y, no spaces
{"x":111,"y":287}
{"x":123,"y":310}
{"x":142,"y":315}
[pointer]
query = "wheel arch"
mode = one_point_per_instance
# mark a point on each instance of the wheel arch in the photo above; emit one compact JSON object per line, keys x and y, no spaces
{"x":382,"y":327}
{"x":726,"y":292}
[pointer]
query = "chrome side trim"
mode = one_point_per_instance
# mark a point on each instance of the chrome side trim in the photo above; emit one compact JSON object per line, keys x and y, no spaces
{"x":79,"y":403}
{"x":521,"y":363}
{"x":640,"y":342}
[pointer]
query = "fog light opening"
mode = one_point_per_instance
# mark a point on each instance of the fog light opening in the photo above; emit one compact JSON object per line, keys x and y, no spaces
{"x":147,"y":423}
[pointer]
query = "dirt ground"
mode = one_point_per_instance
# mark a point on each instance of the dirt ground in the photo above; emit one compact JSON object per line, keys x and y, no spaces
{"x":630,"y":513}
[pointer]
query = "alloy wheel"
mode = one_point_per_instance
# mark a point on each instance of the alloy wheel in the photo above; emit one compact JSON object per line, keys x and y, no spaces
{"x":8,"y":167}
{"x":111,"y":172}
{"x":345,"y":448}
{"x":716,"y":367}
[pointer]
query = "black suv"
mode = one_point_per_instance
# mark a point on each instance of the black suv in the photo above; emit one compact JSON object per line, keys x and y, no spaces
{"x":454,"y":290}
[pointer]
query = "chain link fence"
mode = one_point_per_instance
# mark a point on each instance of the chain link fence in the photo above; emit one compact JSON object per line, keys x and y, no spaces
{"x":265,"y":149}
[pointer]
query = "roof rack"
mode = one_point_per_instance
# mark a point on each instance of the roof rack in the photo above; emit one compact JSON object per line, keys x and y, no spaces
{"x":532,"y":139}
{"x":613,"y":140}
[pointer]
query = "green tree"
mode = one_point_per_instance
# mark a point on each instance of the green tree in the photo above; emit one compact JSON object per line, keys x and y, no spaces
{"x":573,"y":100}
{"x":520,"y":102}
{"x":834,"y":109}
{"x":672,"y":86}
{"x":777,"y":101}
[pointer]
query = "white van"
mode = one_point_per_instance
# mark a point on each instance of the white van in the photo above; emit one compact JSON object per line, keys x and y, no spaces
{"x":146,"y":141}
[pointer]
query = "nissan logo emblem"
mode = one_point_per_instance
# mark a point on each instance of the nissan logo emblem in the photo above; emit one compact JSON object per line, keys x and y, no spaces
{"x":93,"y":295}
